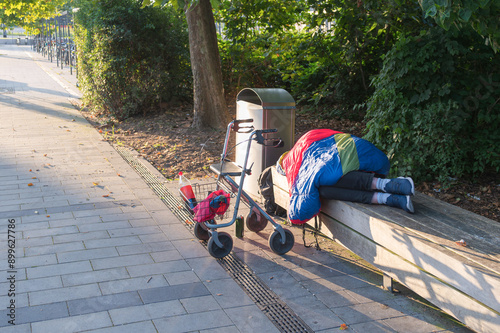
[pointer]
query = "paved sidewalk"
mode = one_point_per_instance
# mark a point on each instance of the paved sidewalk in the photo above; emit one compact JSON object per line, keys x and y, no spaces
{"x":97,"y":250}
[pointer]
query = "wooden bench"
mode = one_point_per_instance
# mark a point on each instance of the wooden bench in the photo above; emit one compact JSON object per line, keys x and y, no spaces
{"x":421,"y":251}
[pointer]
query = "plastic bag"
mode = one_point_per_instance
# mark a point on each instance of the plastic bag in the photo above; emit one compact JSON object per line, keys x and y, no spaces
{"x":216,"y":203}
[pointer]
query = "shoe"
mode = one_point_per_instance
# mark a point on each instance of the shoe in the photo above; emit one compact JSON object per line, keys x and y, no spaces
{"x":400,"y":185}
{"x":400,"y":201}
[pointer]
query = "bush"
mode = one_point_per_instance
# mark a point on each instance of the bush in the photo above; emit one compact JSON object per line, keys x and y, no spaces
{"x":131,"y":58}
{"x":434,"y":108}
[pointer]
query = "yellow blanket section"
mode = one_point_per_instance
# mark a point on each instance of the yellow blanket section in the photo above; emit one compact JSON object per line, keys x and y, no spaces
{"x":347,"y":152}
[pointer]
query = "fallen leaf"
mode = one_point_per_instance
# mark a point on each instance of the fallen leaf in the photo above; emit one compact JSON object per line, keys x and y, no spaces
{"x":48,"y":215}
{"x":95,"y":184}
{"x":461,"y":243}
{"x":343,"y":327}
{"x":106,"y":195}
{"x":33,"y":177}
{"x":30,"y":184}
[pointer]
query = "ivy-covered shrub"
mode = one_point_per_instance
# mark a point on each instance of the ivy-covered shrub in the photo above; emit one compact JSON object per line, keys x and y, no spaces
{"x":435,"y":108}
{"x":131,"y":58}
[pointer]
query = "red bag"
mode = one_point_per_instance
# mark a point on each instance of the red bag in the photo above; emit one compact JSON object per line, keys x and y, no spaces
{"x":216,"y":203}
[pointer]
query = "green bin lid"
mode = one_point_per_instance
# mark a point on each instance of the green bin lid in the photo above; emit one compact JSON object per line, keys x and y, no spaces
{"x":267,"y":97}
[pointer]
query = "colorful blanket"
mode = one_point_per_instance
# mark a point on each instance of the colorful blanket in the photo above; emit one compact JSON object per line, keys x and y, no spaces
{"x":320,"y":158}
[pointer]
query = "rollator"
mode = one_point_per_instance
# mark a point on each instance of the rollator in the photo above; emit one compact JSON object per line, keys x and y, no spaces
{"x":221,"y":192}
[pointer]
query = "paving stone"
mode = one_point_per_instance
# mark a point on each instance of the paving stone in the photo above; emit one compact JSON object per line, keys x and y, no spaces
{"x":106,"y":252}
{"x":121,"y":261}
{"x":24,"y":328}
{"x":58,"y":269}
{"x":166,"y":256}
{"x":145,"y":248}
{"x":73,"y":323}
{"x":283,"y":284}
{"x":315,"y":314}
{"x":200,"y":304}
{"x":146,"y":312}
{"x":52,"y":282}
{"x":176,"y":231}
{"x":103,"y":303}
{"x":134,"y":231}
{"x":228,"y":293}
{"x":366,"y":312}
{"x":169,"y":293}
{"x":250,"y":319}
{"x":63,"y":294}
{"x":108,"y":242}
{"x":95,"y":276}
{"x":193,"y":322}
{"x":410,"y":324}
{"x":81,"y":236}
{"x":259,"y":261}
{"x":190,"y":248}
{"x":36,"y":313}
{"x":50,"y":232}
{"x":371,"y":294}
{"x":334,"y":283}
{"x":143,"y":327}
{"x":52,"y":249}
{"x":375,"y":327}
{"x":130,"y":284}
{"x":41,"y":260}
{"x":181,"y":277}
{"x":207,"y":268}
{"x":158,"y":268}
{"x":334,"y":299}
{"x":104,"y":226}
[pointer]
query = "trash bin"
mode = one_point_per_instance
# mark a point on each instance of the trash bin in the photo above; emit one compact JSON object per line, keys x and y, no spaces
{"x":269,"y":108}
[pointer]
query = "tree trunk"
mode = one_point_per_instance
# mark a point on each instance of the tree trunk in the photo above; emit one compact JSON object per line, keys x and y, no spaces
{"x":210,"y":109}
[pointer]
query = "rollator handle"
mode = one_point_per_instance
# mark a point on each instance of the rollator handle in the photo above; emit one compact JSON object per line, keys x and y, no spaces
{"x":260,"y":139}
{"x":242,"y":129}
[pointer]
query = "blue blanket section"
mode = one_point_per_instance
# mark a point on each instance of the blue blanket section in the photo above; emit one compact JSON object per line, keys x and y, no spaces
{"x":323,"y":165}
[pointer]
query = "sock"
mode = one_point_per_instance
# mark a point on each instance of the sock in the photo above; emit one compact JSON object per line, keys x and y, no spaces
{"x":381,"y":182}
{"x":382,"y":198}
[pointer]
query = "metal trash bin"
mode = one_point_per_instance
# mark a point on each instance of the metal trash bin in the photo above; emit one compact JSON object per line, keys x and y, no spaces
{"x":269,"y":108}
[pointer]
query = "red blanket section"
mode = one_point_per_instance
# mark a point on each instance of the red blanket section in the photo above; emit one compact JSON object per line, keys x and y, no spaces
{"x":293,"y":160}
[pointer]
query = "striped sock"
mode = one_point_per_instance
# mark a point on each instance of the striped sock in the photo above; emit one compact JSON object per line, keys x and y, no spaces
{"x":382,"y":198}
{"x":381,"y":182}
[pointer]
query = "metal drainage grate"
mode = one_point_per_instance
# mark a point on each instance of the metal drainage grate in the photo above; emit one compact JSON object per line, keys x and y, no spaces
{"x":267,"y":301}
{"x":7,"y":90}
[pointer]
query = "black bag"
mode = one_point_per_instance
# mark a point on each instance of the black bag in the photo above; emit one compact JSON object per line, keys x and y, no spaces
{"x":266,"y":190}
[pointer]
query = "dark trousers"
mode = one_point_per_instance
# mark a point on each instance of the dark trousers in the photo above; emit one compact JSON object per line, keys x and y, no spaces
{"x":354,"y":186}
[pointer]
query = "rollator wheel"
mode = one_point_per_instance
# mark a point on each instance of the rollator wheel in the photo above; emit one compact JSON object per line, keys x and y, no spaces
{"x":200,"y":233}
{"x":255,"y":221}
{"x":220,"y":252}
{"x":275,"y":242}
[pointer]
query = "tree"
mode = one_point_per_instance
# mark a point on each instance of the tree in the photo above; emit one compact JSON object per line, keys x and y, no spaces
{"x":210,"y":109}
{"x":481,"y":15}
{"x":29,"y":11}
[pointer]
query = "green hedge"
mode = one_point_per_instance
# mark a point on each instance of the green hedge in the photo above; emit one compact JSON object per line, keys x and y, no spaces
{"x":131,"y":58}
{"x":435,"y":108}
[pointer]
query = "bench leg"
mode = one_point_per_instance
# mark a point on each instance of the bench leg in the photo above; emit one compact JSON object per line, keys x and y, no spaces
{"x":387,"y":282}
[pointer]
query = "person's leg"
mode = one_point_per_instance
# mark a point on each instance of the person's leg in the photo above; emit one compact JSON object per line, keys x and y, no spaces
{"x":400,"y":185}
{"x":393,"y":200}
{"x":345,"y":194}
{"x":356,"y":180}
{"x":367,"y":197}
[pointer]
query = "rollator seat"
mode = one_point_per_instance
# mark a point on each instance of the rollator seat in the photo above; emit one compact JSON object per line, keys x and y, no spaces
{"x":230,"y":169}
